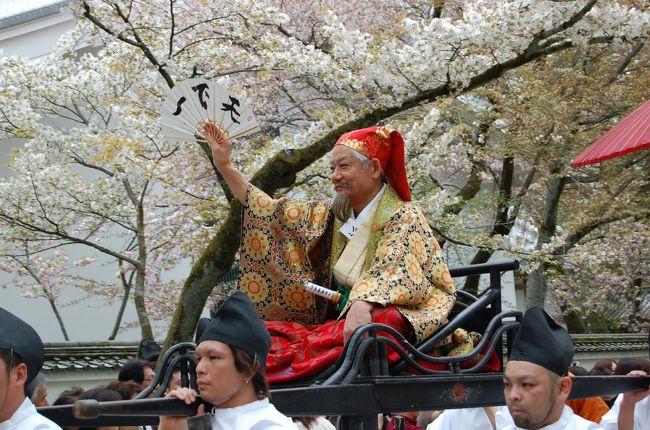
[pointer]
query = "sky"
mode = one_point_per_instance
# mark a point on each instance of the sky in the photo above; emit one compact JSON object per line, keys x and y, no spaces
{"x":15,"y":7}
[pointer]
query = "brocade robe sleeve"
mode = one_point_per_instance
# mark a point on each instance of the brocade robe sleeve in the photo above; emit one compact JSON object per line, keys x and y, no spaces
{"x":284,"y":244}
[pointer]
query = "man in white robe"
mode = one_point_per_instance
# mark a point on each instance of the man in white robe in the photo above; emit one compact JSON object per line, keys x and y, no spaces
{"x":231,"y":353}
{"x":464,"y":418}
{"x":536,"y":381}
{"x":21,"y":358}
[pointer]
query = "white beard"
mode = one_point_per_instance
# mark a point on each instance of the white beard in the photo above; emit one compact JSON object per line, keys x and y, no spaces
{"x":341,"y":207}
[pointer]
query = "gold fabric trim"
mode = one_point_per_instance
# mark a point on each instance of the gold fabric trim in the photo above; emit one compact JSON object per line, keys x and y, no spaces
{"x":357,"y":145}
{"x":370,"y":146}
{"x":385,"y":132}
{"x":387,"y":206}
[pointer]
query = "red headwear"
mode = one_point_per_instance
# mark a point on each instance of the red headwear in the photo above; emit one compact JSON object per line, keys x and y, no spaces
{"x":386,"y":145}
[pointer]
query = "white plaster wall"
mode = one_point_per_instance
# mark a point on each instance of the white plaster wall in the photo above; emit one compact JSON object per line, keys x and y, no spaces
{"x":36,"y":38}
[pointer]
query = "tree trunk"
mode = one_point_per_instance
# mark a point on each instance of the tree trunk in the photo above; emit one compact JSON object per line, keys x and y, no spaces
{"x":502,"y":223}
{"x":471,"y":282}
{"x":140,"y":280}
{"x":47,"y":294}
{"x":536,"y":284}
{"x":536,"y":287}
{"x":574,"y":323}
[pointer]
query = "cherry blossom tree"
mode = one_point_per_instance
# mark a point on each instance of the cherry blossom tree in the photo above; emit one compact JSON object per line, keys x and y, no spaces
{"x":437,"y":71}
{"x":95,"y":177}
{"x":575,"y":102}
{"x":603,"y":287}
{"x":40,"y":277}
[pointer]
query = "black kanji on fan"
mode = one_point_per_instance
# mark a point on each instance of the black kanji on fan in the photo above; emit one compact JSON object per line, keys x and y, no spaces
{"x":201,"y":89}
{"x":178,"y":106}
{"x":231,"y":108}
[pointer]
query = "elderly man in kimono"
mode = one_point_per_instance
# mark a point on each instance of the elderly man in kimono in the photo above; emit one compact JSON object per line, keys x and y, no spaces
{"x":371,"y":244}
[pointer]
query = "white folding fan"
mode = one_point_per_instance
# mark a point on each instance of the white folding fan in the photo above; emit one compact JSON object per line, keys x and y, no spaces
{"x":196,"y":101}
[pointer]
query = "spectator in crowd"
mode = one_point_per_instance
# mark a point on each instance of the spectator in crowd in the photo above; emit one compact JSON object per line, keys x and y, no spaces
{"x":37,"y":391}
{"x":626,"y":365}
{"x":101,"y":394}
{"x":174,"y":382}
{"x":21,"y":358}
{"x":578,"y":371}
{"x":137,"y":370}
{"x":590,"y":408}
{"x":126,"y":389}
{"x":68,"y":397}
{"x":604,"y":366}
{"x":536,"y":381}
{"x":230,"y":360}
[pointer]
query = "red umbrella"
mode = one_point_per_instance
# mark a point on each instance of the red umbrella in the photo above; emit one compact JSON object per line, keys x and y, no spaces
{"x":629,"y":135}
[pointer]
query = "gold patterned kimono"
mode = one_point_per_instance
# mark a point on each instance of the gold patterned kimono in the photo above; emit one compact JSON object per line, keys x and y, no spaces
{"x":286,"y":243}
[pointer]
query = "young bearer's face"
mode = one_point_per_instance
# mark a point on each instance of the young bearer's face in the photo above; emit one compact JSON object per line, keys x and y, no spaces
{"x":218,"y":380}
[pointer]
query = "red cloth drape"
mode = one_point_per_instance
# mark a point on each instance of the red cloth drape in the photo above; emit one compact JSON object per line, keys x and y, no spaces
{"x":300,"y":352}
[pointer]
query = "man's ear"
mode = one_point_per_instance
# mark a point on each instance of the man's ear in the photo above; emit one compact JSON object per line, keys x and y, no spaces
{"x":564,"y":386}
{"x":253,"y":371}
{"x":20,"y":374}
{"x":256,"y":367}
{"x":376,"y":168}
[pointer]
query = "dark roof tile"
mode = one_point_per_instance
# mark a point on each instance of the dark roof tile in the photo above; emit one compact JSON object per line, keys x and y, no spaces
{"x":61,"y":356}
{"x":631,"y":342}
